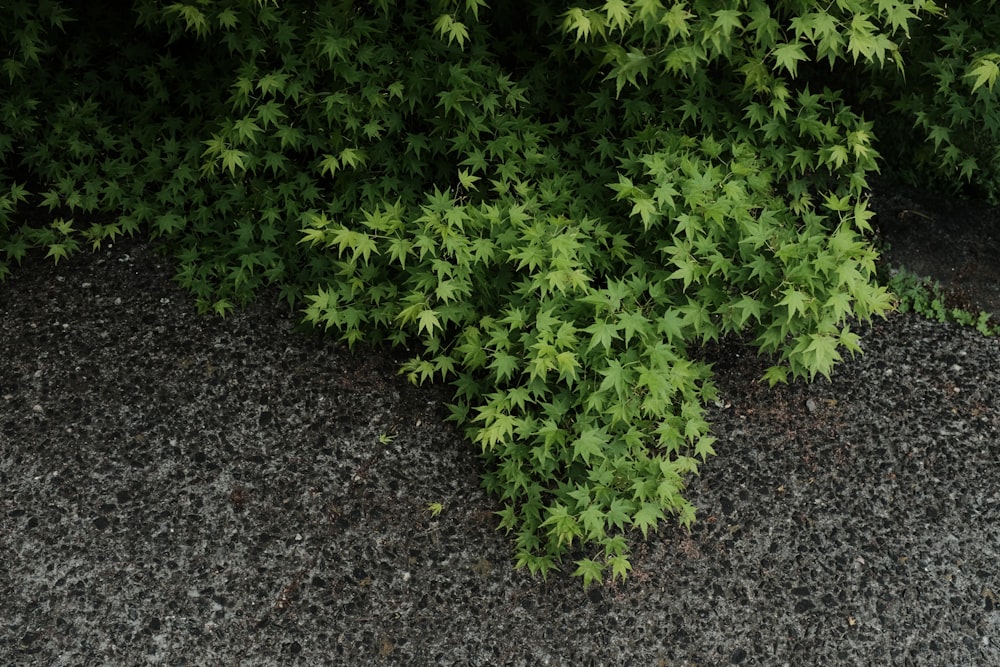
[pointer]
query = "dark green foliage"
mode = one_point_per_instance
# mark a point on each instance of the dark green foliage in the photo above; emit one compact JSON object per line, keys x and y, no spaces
{"x":940,"y":116}
{"x":551,"y":203}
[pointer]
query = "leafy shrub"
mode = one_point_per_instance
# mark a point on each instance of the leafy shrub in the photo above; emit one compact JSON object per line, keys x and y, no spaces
{"x":945,"y":97}
{"x":552,"y":203}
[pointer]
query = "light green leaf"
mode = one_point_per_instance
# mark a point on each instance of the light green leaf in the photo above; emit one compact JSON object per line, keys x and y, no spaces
{"x":455,"y":31}
{"x":633,"y":323}
{"x":836,"y":156}
{"x":776,"y":375}
{"x":222,"y":307}
{"x":614,"y":377}
{"x":821,"y":354}
{"x":247,"y":129}
{"x":789,"y":55}
{"x":618,"y":15}
{"x":352,"y":157}
{"x":620,"y":566}
{"x":645,"y":208}
{"x":467,"y":180}
{"x":703,"y":447}
{"x":312,"y":236}
{"x":428,"y":320}
{"x":593,"y":522}
{"x":590,"y":443}
{"x":985,"y":70}
{"x":648,"y":516}
{"x":728,"y":20}
{"x":619,"y":513}
{"x":504,"y":365}
{"x":330,"y":164}
{"x":676,"y":19}
{"x":795,"y":301}
{"x":272,"y":82}
{"x":567,"y":365}
{"x":57,"y":251}
{"x":590,"y":570}
{"x":602,"y":333}
{"x":577,"y":21}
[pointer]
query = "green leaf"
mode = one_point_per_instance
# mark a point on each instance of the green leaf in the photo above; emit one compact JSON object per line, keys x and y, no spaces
{"x":504,"y":365}
{"x":864,"y":40}
{"x":703,"y":447}
{"x":676,"y":19}
{"x":227,"y":19}
{"x":329,"y":163}
{"x":577,"y":21}
{"x":648,"y":516}
{"x":776,"y":375}
{"x":352,"y":157}
{"x":985,"y":70}
{"x":455,"y":31}
{"x":427,"y":321}
{"x":619,"y":513}
{"x":602,"y":333}
{"x":247,"y":129}
{"x":312,"y":236}
{"x":620,"y":566}
{"x":590,"y":444}
{"x":618,"y":15}
{"x":232,"y":159}
{"x":645,"y":208}
{"x":567,"y":365}
{"x":671,"y":325}
{"x":795,"y":301}
{"x":562,"y":525}
{"x":590,"y":570}
{"x":193,"y":18}
{"x":728,"y":20}
{"x":467,"y":180}
{"x":57,"y":251}
{"x":272,"y":82}
{"x":633,"y":323}
{"x":615,"y":377}
{"x":222,"y":307}
{"x":822,"y":354}
{"x":789,"y":56}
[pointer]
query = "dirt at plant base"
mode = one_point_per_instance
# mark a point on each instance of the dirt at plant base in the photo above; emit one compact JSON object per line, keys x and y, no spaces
{"x":183,"y":490}
{"x":953,"y":241}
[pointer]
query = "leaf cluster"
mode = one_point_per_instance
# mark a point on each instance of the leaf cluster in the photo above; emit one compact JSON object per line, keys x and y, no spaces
{"x":946,"y":98}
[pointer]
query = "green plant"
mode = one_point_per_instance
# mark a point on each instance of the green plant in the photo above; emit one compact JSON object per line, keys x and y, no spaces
{"x":926,"y":297}
{"x":559,"y":285}
{"x":552,"y":203}
{"x":941,"y":113}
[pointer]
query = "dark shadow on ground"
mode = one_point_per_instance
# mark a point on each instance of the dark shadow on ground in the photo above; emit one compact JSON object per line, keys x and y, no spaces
{"x":951,"y":240}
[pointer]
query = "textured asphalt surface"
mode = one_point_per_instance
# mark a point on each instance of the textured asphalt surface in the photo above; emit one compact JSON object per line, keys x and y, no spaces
{"x":952,"y":241}
{"x":184,"y":490}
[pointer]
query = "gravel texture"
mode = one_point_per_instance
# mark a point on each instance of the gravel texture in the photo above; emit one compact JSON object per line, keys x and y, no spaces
{"x":185,"y":490}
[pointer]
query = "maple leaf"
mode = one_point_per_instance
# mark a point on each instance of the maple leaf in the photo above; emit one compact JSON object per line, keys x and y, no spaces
{"x":590,"y":444}
{"x":590,"y":570}
{"x":648,"y":516}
